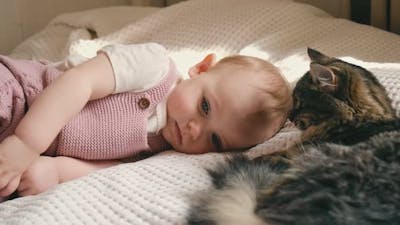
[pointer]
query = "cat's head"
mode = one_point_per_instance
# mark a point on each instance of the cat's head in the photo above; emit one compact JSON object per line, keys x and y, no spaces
{"x":333,"y":92}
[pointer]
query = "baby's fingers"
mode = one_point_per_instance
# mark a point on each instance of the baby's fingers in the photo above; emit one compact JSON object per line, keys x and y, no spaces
{"x":10,"y":187}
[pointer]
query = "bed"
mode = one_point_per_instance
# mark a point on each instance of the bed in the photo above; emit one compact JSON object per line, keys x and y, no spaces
{"x":159,"y":189}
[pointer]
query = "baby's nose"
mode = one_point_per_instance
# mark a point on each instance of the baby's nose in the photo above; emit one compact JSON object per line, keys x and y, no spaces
{"x":195,"y":129}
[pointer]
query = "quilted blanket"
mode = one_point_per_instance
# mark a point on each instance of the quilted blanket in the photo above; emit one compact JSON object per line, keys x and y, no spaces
{"x":159,"y":190}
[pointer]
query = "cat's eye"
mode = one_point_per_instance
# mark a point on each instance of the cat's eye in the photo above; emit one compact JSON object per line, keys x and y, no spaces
{"x":205,"y":106}
{"x":216,"y":141}
{"x":302,"y":125}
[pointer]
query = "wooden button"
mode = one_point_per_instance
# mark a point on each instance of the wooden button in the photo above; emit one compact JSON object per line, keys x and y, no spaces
{"x":144,"y":103}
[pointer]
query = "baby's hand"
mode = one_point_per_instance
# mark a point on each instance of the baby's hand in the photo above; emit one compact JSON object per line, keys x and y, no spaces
{"x":15,"y":158}
{"x":40,"y":176}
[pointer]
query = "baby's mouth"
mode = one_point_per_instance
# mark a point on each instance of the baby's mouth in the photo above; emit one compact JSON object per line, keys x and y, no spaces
{"x":178,"y":134}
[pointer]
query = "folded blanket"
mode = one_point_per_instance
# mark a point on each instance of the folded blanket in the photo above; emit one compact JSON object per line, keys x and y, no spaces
{"x":52,"y":43}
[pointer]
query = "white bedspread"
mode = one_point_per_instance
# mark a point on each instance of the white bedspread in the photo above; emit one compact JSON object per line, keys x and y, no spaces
{"x":158,"y":190}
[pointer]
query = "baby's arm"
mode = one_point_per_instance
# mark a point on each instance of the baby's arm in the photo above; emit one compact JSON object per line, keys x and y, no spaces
{"x":58,"y":170}
{"x":51,"y":110}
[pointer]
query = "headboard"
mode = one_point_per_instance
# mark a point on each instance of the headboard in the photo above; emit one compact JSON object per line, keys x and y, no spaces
{"x":384,"y":14}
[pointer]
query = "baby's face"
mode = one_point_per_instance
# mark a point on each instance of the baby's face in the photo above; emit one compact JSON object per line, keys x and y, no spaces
{"x":204,"y":112}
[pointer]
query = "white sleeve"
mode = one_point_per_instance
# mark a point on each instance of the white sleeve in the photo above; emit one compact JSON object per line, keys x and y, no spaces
{"x":137,"y":67}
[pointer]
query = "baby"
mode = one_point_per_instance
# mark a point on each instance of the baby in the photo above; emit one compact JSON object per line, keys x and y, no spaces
{"x":129,"y":100}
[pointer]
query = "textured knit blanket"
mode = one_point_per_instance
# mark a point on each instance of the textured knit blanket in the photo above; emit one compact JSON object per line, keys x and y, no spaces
{"x":159,"y":190}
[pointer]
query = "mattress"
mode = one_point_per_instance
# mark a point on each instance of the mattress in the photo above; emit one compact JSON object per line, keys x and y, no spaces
{"x":160,"y":189}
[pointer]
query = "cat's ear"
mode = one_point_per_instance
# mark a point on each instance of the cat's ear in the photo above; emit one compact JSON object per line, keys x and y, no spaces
{"x":324,"y":77}
{"x":317,"y":56}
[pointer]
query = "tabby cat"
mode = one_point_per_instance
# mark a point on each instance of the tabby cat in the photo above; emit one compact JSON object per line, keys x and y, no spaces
{"x":346,"y":171}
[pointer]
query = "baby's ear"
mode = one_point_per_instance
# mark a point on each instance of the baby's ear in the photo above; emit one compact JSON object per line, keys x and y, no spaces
{"x":203,"y":66}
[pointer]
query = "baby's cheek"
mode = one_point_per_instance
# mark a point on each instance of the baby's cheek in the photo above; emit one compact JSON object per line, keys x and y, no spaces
{"x":182,"y":102}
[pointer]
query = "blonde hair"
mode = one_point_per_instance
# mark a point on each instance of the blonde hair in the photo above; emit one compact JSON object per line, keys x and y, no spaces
{"x":275,"y":99}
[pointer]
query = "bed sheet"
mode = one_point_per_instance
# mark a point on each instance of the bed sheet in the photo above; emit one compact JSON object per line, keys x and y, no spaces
{"x":159,"y":190}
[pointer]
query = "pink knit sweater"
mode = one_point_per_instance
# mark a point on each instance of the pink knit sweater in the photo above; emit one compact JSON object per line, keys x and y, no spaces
{"x":113,"y":127}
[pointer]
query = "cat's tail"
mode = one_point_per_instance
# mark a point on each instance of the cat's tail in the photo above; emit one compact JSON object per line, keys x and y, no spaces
{"x":233,"y":199}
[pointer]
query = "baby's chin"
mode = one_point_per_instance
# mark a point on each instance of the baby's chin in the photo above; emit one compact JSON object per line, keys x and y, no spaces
{"x":192,"y":151}
{"x":180,"y":149}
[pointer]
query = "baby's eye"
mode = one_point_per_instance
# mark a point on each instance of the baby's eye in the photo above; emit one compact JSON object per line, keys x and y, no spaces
{"x":205,"y":106}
